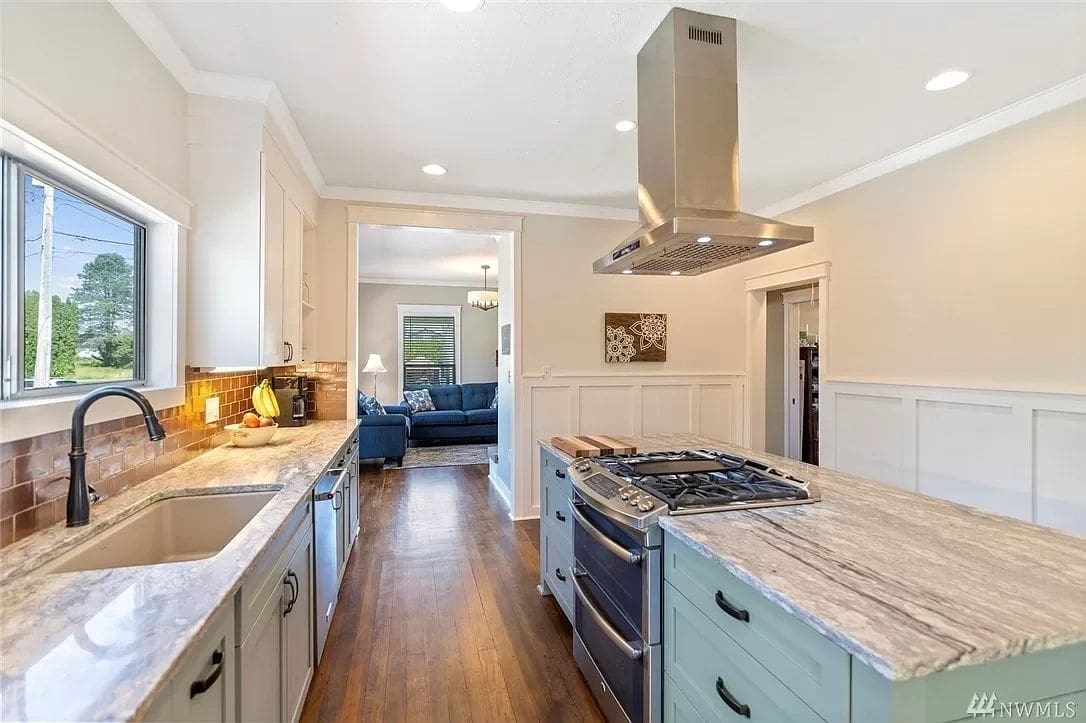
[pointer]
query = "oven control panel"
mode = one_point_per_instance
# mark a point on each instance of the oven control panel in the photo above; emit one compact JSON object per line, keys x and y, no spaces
{"x":603,"y":486}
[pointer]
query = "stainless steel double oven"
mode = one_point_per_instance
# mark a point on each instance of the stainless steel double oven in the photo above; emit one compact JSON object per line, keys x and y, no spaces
{"x":617,"y":578}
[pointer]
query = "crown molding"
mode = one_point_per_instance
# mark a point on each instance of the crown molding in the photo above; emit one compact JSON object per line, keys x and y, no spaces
{"x":1047,"y":100}
{"x":476,"y":203}
{"x":149,"y":28}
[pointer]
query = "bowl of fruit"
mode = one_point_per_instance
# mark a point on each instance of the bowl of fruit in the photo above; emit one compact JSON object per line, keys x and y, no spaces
{"x":257,"y":428}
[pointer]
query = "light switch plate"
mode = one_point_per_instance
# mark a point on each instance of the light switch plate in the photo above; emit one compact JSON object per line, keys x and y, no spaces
{"x":211,"y":410}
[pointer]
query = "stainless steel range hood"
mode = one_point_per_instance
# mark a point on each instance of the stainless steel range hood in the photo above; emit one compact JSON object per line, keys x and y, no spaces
{"x":688,"y":158}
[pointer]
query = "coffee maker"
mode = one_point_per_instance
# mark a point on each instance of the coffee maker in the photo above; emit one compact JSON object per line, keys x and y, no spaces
{"x":290,"y":392}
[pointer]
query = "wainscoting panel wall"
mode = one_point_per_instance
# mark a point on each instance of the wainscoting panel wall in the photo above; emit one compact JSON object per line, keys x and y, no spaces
{"x":1020,"y":454}
{"x":710,"y":405}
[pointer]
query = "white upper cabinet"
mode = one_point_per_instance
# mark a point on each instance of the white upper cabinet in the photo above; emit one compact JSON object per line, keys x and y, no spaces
{"x":252,"y":211}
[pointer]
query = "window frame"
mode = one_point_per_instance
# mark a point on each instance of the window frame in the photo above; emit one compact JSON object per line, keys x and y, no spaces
{"x":406,"y":310}
{"x":12,"y":384}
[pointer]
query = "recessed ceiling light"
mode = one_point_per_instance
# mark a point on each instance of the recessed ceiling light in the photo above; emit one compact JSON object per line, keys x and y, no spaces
{"x":625,"y":126}
{"x":462,"y":6}
{"x":704,"y":239}
{"x":627,"y":271}
{"x":433,"y":169}
{"x":947,"y":80}
{"x":765,"y":242}
{"x":675,"y":273}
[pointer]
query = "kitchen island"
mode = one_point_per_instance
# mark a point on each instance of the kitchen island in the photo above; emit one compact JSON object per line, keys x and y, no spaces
{"x":873,"y":604}
{"x":104,"y":644}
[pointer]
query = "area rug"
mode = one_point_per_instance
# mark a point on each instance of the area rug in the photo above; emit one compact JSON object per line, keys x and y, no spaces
{"x":452,"y":456}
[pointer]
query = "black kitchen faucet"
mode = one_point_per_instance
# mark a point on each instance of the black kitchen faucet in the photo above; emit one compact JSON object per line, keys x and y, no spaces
{"x":78,"y":499}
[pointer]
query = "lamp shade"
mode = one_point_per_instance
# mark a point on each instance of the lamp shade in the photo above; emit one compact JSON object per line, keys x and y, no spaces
{"x":485,"y":300}
{"x":374,"y":365}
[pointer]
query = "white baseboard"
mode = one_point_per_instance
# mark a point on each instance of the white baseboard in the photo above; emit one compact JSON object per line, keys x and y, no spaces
{"x":502,"y":492}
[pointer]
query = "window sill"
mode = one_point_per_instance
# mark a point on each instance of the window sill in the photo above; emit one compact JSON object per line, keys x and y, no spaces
{"x":22,"y":418}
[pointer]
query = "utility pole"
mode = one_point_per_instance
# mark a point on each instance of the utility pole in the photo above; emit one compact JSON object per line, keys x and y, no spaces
{"x":44,"y":357}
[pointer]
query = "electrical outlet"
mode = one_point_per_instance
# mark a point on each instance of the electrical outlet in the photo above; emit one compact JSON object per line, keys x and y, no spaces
{"x":211,"y":410}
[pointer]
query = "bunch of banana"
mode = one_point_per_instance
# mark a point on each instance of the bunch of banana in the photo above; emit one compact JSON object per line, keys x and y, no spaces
{"x":264,"y":401}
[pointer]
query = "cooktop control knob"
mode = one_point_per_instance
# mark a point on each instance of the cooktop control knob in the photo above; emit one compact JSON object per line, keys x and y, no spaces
{"x":624,"y":494}
{"x":645,"y":505}
{"x":634,"y":501}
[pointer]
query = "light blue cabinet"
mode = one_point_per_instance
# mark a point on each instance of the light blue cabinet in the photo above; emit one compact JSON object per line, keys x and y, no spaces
{"x":731,"y":655}
{"x":555,"y":531}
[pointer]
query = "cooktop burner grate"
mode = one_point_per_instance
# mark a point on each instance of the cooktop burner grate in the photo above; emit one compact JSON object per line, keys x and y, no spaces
{"x":685,"y":480}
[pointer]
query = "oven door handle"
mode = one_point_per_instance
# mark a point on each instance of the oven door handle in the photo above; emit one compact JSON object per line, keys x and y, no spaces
{"x":633,"y":652}
{"x":628,"y":556}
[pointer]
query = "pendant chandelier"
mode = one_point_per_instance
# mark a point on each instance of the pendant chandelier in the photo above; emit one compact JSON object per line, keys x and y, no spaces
{"x":485,"y":299}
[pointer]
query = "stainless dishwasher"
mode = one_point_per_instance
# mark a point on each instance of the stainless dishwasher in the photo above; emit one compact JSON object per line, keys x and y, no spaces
{"x":331,"y":518}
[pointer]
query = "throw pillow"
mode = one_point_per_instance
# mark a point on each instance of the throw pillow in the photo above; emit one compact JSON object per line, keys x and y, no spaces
{"x":370,"y":405}
{"x":419,"y":400}
{"x":494,"y":404}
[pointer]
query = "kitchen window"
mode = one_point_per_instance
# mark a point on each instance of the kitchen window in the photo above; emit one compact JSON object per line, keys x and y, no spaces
{"x":74,"y":278}
{"x":429,"y":345}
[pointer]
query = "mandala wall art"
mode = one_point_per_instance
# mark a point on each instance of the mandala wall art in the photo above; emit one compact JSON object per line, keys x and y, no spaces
{"x":634,"y":338}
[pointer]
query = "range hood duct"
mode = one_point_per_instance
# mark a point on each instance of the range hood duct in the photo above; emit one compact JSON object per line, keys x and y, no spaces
{"x":688,"y":158}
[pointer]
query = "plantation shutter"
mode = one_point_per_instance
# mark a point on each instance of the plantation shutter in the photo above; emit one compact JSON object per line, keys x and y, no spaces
{"x":429,"y":351}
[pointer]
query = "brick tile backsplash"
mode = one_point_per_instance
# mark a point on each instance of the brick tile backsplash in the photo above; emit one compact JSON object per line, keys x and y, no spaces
{"x":33,"y":471}
{"x":327,"y":396}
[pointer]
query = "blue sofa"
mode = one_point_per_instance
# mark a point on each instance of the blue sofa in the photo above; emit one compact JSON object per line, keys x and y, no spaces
{"x":383,"y":435}
{"x":463,"y":412}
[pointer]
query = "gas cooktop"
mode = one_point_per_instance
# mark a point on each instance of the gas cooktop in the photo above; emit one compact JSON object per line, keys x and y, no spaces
{"x":687,"y":482}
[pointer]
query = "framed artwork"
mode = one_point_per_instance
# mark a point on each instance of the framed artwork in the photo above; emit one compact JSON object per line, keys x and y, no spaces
{"x":634,"y":338}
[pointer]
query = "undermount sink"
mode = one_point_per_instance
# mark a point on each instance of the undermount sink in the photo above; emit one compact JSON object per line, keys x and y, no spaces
{"x":174,"y":529}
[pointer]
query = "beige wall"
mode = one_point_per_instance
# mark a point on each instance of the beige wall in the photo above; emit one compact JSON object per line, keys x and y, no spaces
{"x":84,"y":62}
{"x":378,"y":333}
{"x":965,"y":269}
{"x":564,"y":304}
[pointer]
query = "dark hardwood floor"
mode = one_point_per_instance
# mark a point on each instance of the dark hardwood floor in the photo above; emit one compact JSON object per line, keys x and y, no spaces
{"x":438,"y":616}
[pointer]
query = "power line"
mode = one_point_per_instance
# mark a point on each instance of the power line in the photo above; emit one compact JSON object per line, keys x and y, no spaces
{"x":83,"y":209}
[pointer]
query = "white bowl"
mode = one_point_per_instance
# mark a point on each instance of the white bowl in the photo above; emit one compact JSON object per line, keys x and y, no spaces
{"x":243,"y":436}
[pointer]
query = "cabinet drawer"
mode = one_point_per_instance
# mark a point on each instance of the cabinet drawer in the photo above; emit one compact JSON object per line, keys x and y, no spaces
{"x":267,"y":576}
{"x":557,"y":559}
{"x":556,"y":511}
{"x":677,"y":706}
{"x":551,"y":467}
{"x":810,"y":665}
{"x":720,"y":679}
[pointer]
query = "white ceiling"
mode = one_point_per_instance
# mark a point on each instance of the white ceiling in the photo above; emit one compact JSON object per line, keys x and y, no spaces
{"x":519,"y":99}
{"x":426,"y":256}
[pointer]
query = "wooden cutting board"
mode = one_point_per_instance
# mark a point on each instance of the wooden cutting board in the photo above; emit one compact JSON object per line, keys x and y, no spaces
{"x":591,"y":445}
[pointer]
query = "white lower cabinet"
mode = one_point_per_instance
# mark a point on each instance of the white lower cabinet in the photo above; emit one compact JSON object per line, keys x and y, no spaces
{"x":275,"y":658}
{"x":254,"y":662}
{"x":297,"y":653}
{"x":202,"y":689}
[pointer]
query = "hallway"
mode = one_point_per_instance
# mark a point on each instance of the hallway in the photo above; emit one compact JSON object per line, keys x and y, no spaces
{"x":438,"y":617}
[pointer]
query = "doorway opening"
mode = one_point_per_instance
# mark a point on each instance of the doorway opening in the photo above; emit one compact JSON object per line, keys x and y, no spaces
{"x":782,"y":364}
{"x":433,"y":339}
{"x":792,"y":367}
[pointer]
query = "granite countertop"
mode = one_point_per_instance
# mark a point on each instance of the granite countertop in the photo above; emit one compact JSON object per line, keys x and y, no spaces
{"x":909,"y":584}
{"x":98,"y":645}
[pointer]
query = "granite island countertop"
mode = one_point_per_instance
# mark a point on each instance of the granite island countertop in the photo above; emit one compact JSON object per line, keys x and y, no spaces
{"x":908,"y":584}
{"x":98,"y":645}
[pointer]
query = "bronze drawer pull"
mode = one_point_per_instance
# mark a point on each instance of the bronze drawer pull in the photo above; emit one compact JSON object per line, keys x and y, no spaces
{"x":737,"y":613}
{"x":725,"y":695}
